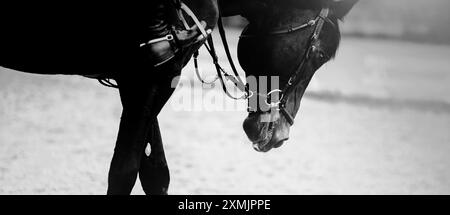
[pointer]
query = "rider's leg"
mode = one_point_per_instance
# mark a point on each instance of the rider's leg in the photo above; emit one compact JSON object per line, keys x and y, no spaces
{"x":156,"y":39}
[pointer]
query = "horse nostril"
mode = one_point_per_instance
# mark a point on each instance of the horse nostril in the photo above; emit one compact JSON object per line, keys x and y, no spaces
{"x":256,"y":147}
{"x":251,"y":128}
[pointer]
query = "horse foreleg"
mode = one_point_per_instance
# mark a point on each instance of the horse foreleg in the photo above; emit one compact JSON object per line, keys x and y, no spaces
{"x":130,"y":144}
{"x":142,"y":103}
{"x":135,"y":126}
{"x":154,"y":172}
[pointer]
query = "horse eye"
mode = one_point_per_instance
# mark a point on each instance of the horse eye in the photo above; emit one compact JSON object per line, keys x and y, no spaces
{"x":322,"y":56}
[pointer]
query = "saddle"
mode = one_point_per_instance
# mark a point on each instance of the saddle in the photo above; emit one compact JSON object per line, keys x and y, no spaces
{"x":165,"y":40}
{"x":162,"y":40}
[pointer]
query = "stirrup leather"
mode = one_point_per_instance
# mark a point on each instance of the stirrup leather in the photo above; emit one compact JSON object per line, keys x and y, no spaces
{"x":161,"y":50}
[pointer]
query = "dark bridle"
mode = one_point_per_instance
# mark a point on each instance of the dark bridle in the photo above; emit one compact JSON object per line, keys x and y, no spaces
{"x":295,"y":79}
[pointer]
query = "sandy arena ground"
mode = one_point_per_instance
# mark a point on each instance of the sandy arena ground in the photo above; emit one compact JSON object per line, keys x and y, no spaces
{"x":373,"y":122}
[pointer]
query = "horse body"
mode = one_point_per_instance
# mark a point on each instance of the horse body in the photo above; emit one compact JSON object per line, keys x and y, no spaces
{"x":86,"y":40}
{"x":85,"y":47}
{"x":77,"y":38}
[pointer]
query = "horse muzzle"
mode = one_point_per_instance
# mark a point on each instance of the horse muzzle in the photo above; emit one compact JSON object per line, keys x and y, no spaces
{"x":266,"y":135}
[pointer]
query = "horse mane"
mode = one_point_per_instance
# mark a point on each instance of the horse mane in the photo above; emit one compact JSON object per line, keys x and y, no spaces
{"x":340,"y":8}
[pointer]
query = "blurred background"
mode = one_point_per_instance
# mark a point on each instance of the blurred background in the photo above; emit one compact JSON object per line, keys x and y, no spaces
{"x":375,"y":120}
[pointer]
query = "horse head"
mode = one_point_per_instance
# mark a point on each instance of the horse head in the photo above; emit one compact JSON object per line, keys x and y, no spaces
{"x":290,"y":40}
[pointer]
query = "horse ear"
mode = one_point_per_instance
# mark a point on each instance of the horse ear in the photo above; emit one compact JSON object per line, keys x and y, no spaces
{"x":342,"y":7}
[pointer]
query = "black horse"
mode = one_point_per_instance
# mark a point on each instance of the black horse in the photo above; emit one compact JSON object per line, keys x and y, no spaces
{"x":277,"y":42}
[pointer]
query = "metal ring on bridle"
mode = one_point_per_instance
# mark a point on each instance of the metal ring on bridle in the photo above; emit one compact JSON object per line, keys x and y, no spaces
{"x":274,"y":104}
{"x":249,"y":94}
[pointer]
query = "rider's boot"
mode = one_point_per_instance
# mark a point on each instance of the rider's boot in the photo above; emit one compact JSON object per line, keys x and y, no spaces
{"x":162,"y":42}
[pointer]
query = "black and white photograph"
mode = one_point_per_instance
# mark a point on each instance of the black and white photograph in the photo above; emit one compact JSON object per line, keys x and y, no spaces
{"x":225,"y":97}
